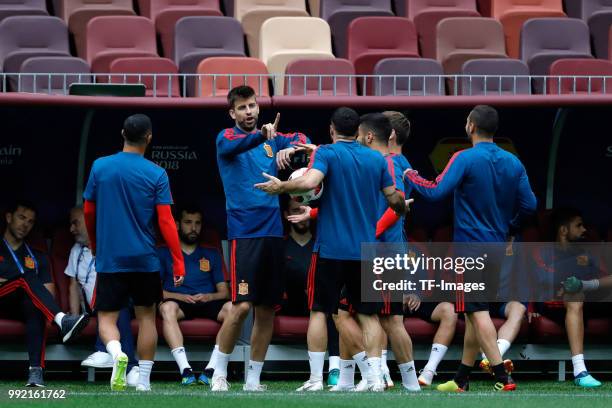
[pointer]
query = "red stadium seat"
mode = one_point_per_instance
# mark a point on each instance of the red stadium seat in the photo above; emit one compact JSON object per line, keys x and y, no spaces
{"x":161,"y":85}
{"x":198,"y":330}
{"x":113,"y":37}
{"x":580,"y":67}
{"x":371,"y":39}
{"x":545,"y":330}
{"x":290,"y":328}
{"x":232,"y":72}
{"x":325,"y":85}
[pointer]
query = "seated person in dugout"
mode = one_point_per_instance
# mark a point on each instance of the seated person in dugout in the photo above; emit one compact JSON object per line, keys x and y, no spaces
{"x":203,"y":294}
{"x":27,"y":290}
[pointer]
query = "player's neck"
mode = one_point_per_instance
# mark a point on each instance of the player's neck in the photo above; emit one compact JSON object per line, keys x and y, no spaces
{"x":383,"y":149}
{"x":188,"y":248}
{"x":128,"y":148}
{"x":395,"y":149}
{"x":246,"y":131}
{"x":13,"y":241}
{"x":477,"y":139}
{"x":341,"y":138}
{"x":301,"y":239}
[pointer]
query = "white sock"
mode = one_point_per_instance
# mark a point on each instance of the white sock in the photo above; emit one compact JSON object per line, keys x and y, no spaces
{"x":213,"y":358}
{"x":409,"y":377}
{"x":435,"y":356}
{"x":316,"y":359}
{"x":578,"y":363}
{"x":254,"y":372}
{"x":362,"y":362}
{"x":58,"y":318}
{"x":383,"y":362}
{"x":114,"y":348}
{"x":221,"y":365}
{"x":144,"y":377}
{"x":333,"y":363}
{"x":347,"y":373}
{"x":180,"y":356}
{"x":374,"y":372}
{"x":503,"y":345}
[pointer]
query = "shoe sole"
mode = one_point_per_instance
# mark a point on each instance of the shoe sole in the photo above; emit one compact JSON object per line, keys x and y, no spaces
{"x":508,"y":365}
{"x":32,"y":385}
{"x":97,"y":365}
{"x":119,"y":382}
{"x":76,"y":329}
{"x":423,"y":383}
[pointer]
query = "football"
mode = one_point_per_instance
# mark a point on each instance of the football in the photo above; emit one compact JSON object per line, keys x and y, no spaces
{"x":306,"y":196}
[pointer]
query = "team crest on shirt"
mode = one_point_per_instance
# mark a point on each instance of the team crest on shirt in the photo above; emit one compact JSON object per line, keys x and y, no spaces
{"x":582,"y":260}
{"x":243,"y":288}
{"x":29,"y":262}
{"x":204,"y":265}
{"x":268,"y":150}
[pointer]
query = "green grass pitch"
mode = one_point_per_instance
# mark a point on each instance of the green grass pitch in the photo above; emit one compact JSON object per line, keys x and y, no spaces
{"x":540,"y":394}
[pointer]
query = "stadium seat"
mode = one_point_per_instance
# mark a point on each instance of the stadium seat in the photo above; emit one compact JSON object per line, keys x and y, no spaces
{"x":426,"y":14}
{"x":22,"y":8}
{"x":57,"y":84}
{"x":165,"y":14}
{"x":340,"y":13}
{"x":196,"y":38}
{"x":315,"y":7}
{"x":323,"y":81}
{"x":253,"y":13}
{"x":160,"y":85}
{"x":221,"y":85}
{"x":23,"y":37}
{"x":371,"y":39}
{"x":513,"y":13}
{"x":112,"y":37}
{"x":544,"y":330}
{"x":198,"y":330}
{"x":580,"y":67}
{"x":598,"y":15}
{"x":61,"y":244}
{"x":409,"y":87}
{"x":478,"y":84}
{"x":77,"y":13}
{"x":287,"y":328}
{"x":284,"y":39}
{"x":460,"y":39}
{"x":545,"y":40}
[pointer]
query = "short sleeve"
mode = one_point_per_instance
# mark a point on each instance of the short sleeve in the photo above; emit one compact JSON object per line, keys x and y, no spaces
{"x":92,"y":187}
{"x":319,"y":160}
{"x":217,"y":267}
{"x":162,"y":190}
{"x":71,"y":266}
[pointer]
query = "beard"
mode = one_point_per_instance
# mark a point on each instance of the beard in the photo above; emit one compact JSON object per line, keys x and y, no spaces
{"x":301,"y":228}
{"x":244,"y":125}
{"x":189,"y":239}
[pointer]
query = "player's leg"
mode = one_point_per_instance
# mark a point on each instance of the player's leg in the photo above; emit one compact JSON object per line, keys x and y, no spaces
{"x":171,"y":313}
{"x":444,"y":314}
{"x":460,"y":382}
{"x":261,"y":336}
{"x":36,"y":340}
{"x":206,"y":376}
{"x":351,"y":338}
{"x":316,"y":338}
{"x":346,"y":379}
{"x":124,"y":324}
{"x":487,"y":339}
{"x":514,"y":313}
{"x":401,"y":343}
{"x":383,"y":361}
{"x":574,"y":325}
{"x":333,"y":351}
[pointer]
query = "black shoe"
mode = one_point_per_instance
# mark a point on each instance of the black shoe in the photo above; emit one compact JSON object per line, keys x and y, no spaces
{"x":72,"y":326}
{"x":35,"y":378}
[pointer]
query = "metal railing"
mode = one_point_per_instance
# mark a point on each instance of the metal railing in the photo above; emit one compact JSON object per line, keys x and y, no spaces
{"x":198,"y":85}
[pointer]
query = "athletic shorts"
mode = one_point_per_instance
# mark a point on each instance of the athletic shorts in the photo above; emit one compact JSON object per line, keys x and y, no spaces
{"x":206,"y":310}
{"x":499,"y":309}
{"x":326,"y":280}
{"x":256,"y":270}
{"x":424,"y":311}
{"x":113,"y":291}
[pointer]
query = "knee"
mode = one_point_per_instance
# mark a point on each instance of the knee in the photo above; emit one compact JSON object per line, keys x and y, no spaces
{"x":447,"y":313}
{"x":515,"y":311}
{"x":168,"y":310}
{"x":241,"y":310}
{"x":574,"y":307}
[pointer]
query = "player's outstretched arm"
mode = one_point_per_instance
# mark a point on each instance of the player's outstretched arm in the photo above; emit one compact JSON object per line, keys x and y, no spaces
{"x":89,"y":212}
{"x":443,"y":185}
{"x":167,"y":226}
{"x":230,"y":143}
{"x":311,"y":179}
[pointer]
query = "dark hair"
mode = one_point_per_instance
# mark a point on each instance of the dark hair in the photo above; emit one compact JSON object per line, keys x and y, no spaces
{"x":189,"y":208}
{"x":486,"y":120}
{"x":378,"y":124}
{"x":345,"y":121}
{"x":17,"y":203}
{"x":136,"y":128}
{"x":562,"y":217}
{"x":239,"y":92}
{"x":401,"y":125}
